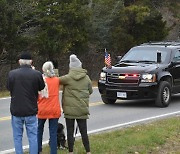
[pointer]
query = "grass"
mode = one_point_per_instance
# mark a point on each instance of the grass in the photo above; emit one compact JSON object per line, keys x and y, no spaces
{"x":162,"y":136}
{"x":94,"y":83}
{"x":4,"y":93}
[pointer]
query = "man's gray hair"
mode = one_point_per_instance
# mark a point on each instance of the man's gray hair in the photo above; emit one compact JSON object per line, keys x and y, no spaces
{"x":25,"y":62}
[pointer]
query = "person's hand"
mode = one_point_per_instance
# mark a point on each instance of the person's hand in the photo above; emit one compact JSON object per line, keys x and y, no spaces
{"x":33,"y":67}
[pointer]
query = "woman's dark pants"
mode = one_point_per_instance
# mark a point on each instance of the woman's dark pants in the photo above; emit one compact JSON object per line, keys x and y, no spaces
{"x":82,"y":124}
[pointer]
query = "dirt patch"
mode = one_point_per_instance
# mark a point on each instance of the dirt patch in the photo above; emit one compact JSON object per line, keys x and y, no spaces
{"x":172,"y":146}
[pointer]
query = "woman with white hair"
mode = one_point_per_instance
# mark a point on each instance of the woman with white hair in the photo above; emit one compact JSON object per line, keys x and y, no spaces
{"x":49,"y":106}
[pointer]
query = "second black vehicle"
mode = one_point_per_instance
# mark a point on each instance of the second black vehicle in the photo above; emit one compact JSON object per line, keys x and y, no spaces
{"x":148,"y":71}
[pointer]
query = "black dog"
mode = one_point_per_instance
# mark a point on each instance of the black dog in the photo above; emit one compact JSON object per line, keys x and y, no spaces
{"x":61,"y":138}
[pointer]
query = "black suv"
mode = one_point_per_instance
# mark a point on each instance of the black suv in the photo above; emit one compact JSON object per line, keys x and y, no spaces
{"x":147,"y":71}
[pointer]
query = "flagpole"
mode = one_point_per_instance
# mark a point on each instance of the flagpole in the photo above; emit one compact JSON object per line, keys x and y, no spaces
{"x":104,"y":54}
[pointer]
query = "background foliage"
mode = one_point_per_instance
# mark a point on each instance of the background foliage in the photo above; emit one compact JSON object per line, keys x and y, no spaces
{"x":53,"y":29}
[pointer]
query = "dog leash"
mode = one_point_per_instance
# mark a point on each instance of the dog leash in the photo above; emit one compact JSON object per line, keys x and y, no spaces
{"x":76,"y":132}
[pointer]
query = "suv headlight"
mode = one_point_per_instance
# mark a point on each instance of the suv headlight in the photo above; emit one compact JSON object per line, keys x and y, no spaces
{"x":103,"y":76}
{"x":148,"y":78}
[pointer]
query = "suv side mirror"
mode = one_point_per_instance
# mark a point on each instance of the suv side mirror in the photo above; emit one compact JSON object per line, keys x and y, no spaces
{"x":158,"y":57}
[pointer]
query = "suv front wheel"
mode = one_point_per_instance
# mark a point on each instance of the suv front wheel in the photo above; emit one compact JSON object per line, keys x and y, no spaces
{"x":107,"y":100}
{"x":164,"y":94}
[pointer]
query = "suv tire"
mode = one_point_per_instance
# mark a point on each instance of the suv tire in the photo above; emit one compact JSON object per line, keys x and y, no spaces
{"x":164,"y":94}
{"x":107,"y":100}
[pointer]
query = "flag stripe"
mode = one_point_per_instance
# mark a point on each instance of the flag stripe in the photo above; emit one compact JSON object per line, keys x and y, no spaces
{"x":107,"y":59}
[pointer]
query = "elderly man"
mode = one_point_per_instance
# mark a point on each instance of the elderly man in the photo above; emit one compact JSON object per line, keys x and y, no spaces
{"x":24,"y":84}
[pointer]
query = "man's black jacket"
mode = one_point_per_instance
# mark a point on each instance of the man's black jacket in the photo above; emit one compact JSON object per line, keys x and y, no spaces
{"x":24,"y":84}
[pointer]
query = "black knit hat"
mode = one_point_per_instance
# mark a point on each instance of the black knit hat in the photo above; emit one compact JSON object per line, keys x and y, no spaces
{"x":26,"y":56}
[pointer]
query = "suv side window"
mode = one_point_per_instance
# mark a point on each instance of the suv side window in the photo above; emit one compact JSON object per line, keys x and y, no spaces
{"x":176,"y":57}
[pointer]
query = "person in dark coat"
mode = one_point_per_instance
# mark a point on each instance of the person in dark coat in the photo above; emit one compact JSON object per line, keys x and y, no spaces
{"x":24,"y":84}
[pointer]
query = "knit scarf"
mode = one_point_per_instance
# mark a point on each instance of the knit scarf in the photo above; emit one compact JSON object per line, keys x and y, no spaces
{"x":44,"y":93}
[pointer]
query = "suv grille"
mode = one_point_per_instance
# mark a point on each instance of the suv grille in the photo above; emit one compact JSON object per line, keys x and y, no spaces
{"x":122,"y":78}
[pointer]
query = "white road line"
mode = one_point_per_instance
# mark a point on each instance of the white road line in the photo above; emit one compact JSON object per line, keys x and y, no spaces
{"x":106,"y":128}
{"x":133,"y":122}
{"x":5,"y":98}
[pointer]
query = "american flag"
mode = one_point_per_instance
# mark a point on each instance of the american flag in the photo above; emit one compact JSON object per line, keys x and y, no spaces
{"x":107,"y":59}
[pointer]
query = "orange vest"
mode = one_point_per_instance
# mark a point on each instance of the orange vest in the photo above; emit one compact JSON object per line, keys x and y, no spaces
{"x":49,"y":108}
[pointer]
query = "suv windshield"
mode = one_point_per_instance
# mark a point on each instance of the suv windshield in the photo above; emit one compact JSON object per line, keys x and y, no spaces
{"x":145,"y":55}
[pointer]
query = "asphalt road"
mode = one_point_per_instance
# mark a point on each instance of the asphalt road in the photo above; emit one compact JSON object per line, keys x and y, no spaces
{"x":103,"y":117}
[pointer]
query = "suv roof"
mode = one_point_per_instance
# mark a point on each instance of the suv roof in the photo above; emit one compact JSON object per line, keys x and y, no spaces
{"x":173,"y":44}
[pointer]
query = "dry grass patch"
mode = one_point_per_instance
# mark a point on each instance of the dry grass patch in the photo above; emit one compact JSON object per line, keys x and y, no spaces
{"x":4,"y":93}
{"x":94,"y":83}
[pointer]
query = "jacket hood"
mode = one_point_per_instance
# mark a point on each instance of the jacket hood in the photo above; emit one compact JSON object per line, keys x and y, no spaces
{"x":77,"y":73}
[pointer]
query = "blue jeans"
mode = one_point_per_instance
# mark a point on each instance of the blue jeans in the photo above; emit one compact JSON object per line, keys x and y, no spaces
{"x":31,"y":129}
{"x":53,"y":124}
